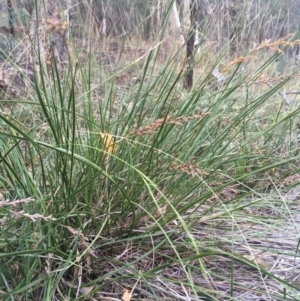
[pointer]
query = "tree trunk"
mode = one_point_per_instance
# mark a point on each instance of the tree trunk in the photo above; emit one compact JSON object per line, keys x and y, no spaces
{"x":10,"y":17}
{"x":190,"y":45}
{"x":47,"y":39}
{"x":175,"y":25}
{"x":186,"y":17}
{"x":45,"y":45}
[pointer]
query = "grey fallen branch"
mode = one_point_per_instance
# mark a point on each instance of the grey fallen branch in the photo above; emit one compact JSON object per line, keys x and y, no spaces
{"x":292,"y":92}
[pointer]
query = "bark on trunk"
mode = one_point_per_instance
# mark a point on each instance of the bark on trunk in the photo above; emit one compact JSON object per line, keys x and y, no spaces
{"x":175,"y":25}
{"x":45,"y":45}
{"x":186,"y":22}
{"x":190,"y":45}
{"x":48,"y":33}
{"x":10,"y":17}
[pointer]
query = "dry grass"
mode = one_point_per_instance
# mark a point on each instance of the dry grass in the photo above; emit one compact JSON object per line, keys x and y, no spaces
{"x":157,"y":124}
{"x":14,"y":215}
{"x":267,"y":44}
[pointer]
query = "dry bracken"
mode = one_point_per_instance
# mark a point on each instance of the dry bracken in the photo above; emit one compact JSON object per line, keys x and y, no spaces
{"x":57,"y":26}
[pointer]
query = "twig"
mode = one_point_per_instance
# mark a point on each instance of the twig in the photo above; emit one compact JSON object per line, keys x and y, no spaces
{"x":292,"y":92}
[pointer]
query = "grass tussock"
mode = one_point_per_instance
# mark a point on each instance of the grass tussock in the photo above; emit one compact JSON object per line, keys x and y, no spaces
{"x":114,"y":189}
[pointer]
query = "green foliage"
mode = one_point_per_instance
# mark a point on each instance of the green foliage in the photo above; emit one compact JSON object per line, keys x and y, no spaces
{"x":107,"y":185}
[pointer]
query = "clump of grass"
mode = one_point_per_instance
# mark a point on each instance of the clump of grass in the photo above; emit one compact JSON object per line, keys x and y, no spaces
{"x":179,"y":193}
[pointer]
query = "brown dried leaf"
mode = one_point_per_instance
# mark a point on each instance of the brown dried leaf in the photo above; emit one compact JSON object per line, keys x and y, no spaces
{"x":127,"y":295}
{"x":86,"y":290}
{"x":108,"y":142}
{"x":160,"y":211}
